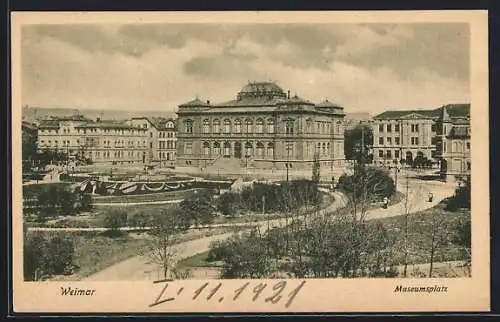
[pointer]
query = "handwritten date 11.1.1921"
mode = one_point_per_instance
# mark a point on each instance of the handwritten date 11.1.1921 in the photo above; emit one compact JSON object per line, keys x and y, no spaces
{"x":270,"y":293}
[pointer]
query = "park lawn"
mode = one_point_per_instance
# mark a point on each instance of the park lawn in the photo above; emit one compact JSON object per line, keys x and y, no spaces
{"x":420,"y":227}
{"x":95,"y":252}
{"x":159,"y":196}
{"x":198,"y":260}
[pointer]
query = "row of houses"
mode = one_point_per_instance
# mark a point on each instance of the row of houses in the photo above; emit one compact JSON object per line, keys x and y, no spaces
{"x":265,"y":127}
{"x":139,"y":140}
{"x":440,"y":136}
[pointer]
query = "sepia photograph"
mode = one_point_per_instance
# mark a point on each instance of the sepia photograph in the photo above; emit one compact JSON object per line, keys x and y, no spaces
{"x":183,"y":150}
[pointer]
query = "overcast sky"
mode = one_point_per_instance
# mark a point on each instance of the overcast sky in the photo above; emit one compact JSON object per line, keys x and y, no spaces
{"x":364,"y":67}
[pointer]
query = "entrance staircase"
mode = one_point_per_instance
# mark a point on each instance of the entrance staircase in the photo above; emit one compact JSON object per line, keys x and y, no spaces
{"x":225,"y":165}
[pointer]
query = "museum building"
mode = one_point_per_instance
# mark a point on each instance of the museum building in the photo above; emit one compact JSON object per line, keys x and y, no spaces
{"x":263,"y":127}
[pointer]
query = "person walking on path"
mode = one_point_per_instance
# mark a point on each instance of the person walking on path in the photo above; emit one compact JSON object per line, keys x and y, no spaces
{"x":430,"y":197}
{"x":386,"y":203}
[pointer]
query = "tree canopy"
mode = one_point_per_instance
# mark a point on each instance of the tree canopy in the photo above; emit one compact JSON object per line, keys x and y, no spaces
{"x":352,"y":143}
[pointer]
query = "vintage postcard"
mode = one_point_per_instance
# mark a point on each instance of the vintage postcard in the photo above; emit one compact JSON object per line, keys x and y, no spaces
{"x":250,"y":162}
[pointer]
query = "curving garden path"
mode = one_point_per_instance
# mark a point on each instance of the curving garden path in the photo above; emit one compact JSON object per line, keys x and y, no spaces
{"x":141,"y":268}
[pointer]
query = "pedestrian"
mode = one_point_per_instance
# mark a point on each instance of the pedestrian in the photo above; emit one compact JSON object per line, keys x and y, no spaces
{"x":386,"y":202}
{"x":430,"y":197}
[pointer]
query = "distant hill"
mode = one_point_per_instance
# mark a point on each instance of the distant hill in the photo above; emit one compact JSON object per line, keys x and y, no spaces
{"x":358,"y":116}
{"x":31,"y":114}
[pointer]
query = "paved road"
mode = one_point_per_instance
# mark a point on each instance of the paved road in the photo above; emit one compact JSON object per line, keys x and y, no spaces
{"x":140,"y":268}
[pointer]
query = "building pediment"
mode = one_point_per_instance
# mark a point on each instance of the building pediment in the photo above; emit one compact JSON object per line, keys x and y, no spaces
{"x":414,"y":116}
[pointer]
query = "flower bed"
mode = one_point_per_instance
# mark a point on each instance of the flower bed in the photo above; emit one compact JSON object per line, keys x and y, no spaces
{"x":121,"y":188}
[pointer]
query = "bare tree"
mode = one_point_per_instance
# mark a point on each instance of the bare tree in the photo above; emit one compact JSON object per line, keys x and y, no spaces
{"x":165,"y":229}
{"x":410,"y":200}
{"x":439,"y":237}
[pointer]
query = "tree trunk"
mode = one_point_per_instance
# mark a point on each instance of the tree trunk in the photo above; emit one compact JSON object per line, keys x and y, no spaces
{"x":432,"y":253}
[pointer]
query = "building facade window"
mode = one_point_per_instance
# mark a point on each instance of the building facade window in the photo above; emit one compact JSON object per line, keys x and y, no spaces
{"x":389,"y":140}
{"x":188,"y":148}
{"x":270,"y":150}
{"x":260,"y":149}
{"x":248,"y":149}
{"x":389,"y":154}
{"x":216,"y":148}
{"x":188,"y":126}
{"x":381,"y":141}
{"x":397,"y":140}
{"x":259,"y":128}
{"x":227,"y":126}
{"x":381,"y":128}
{"x":271,"y":125}
{"x":289,"y":125}
{"x":206,"y":148}
{"x":380,"y":153}
{"x":227,"y":149}
{"x":237,"y":126}
{"x":216,"y":125}
{"x":396,"y":154}
{"x":389,"y":128}
{"x":396,"y":127}
{"x":249,"y":126}
{"x":206,"y":127}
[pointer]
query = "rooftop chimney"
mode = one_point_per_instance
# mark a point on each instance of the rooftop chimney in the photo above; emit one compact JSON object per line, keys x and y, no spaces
{"x":288,"y":94}
{"x":98,"y":119}
{"x":208,"y":102}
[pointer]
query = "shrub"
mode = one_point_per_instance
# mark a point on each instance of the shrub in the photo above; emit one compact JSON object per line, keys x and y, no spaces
{"x":228,"y":203}
{"x":86,"y":203}
{"x":138,"y":219}
{"x":47,"y":256}
{"x":115,"y":219}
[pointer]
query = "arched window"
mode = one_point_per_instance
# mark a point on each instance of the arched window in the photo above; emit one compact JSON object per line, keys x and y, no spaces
{"x":318,"y":148}
{"x":324,"y":148}
{"x":309,"y":126}
{"x":248,"y":149}
{"x":259,"y":126}
{"x":206,"y":126}
{"x":216,"y":126}
{"x":271,"y":126}
{"x":260,"y":149}
{"x":237,"y":126}
{"x":249,"y":126}
{"x":323,"y":128}
{"x":270,"y":150}
{"x":328,"y":148}
{"x":227,"y":149}
{"x":339,"y":123}
{"x":289,"y":127}
{"x":188,"y":126}
{"x":216,"y":149}
{"x":227,"y":126}
{"x":206,"y":148}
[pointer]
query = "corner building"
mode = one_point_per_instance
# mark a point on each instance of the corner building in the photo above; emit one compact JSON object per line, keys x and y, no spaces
{"x":264,"y":128}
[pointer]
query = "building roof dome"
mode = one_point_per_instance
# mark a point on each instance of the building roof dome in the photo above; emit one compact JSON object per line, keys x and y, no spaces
{"x":261,"y":89}
{"x":327,"y":104}
{"x":196,"y":103}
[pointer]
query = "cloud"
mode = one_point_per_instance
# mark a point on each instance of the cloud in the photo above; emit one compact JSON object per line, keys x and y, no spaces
{"x":157,"y":67}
